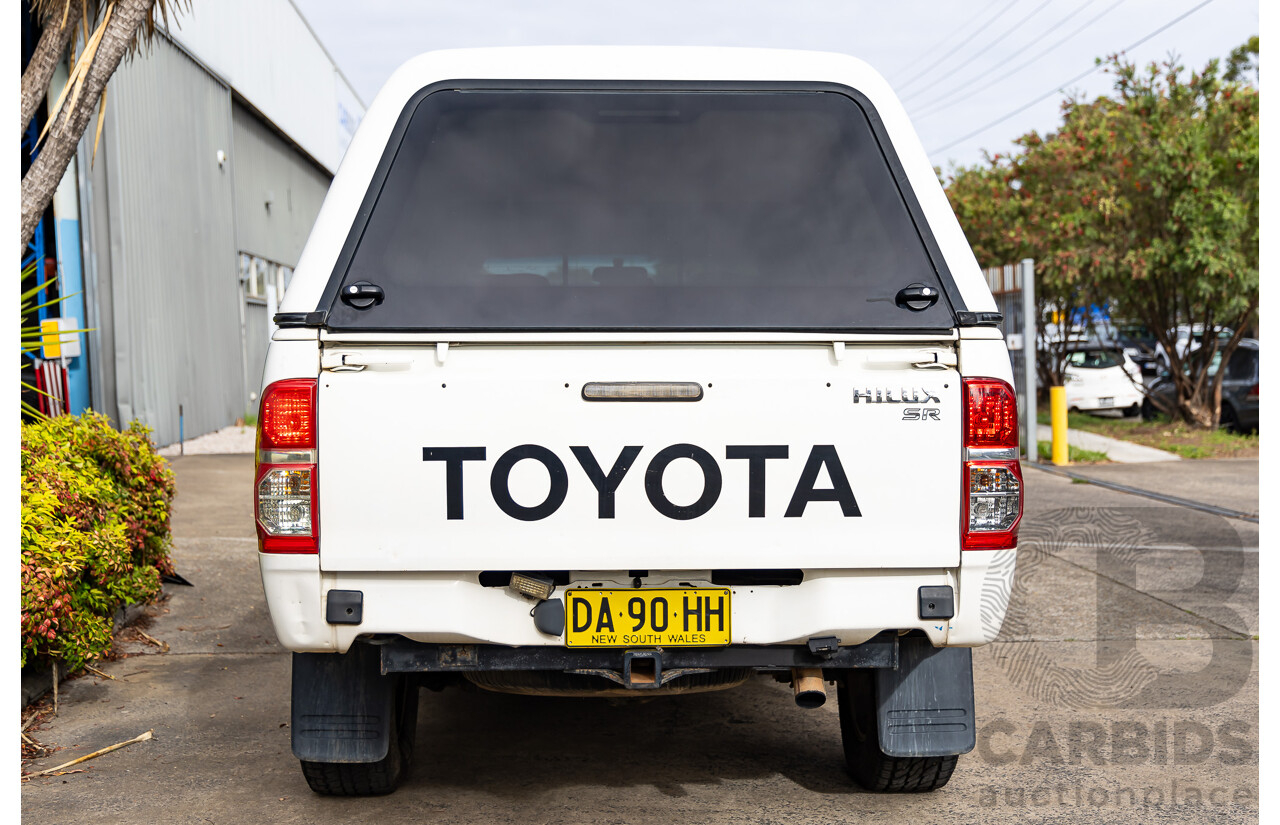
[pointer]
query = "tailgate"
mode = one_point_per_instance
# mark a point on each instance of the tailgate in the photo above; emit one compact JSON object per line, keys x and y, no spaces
{"x":489,"y":457}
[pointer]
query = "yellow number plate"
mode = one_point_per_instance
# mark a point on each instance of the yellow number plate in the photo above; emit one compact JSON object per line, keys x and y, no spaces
{"x":649,"y":618}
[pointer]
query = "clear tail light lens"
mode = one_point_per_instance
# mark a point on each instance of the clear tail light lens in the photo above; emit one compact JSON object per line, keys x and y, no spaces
{"x":285,"y":490}
{"x":285,"y":498}
{"x":284,"y":501}
{"x":992,"y":476}
{"x":995,"y":504}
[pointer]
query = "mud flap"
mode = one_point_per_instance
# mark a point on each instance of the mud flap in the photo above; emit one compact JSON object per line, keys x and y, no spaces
{"x":925,"y":706}
{"x":342,"y":706}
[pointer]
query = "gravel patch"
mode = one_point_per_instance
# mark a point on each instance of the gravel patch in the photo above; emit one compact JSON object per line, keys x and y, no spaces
{"x":233,"y":439}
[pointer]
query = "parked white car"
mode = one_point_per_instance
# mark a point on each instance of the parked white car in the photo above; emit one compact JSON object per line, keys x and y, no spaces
{"x":1101,"y":378}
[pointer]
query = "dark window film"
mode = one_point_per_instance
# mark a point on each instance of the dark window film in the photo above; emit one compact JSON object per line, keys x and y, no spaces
{"x":1243,"y":365}
{"x":1094,"y":359}
{"x":639,"y":210}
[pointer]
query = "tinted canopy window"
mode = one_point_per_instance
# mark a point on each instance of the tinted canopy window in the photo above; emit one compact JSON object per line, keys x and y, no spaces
{"x":637,"y":210}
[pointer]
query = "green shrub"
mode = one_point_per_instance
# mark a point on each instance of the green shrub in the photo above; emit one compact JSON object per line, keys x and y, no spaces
{"x":95,"y":532}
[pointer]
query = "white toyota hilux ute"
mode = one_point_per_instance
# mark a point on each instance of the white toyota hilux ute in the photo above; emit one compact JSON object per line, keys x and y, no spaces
{"x":636,"y":371}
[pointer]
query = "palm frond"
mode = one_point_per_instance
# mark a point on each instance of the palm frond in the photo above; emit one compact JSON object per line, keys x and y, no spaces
{"x":35,"y":290}
{"x":59,"y":10}
{"x":97,"y":133}
{"x":48,"y":9}
{"x":30,"y":409}
{"x":37,"y":390}
{"x":49,"y":302}
{"x":60,"y":332}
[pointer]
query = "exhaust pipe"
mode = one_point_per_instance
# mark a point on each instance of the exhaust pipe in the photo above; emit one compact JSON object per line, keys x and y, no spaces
{"x":808,"y":687}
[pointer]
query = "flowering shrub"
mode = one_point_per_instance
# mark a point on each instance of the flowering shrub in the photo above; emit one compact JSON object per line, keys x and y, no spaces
{"x":95,"y":532}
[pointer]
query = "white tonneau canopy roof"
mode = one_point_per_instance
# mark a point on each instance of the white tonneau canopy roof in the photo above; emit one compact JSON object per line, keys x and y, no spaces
{"x":622,"y":63}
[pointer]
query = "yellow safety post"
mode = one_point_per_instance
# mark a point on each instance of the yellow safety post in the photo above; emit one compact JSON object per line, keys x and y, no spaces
{"x":1058,"y":417}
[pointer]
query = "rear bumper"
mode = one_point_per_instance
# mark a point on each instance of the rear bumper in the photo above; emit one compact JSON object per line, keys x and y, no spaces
{"x":1122,"y":399}
{"x":455,"y":609}
{"x":404,"y":656}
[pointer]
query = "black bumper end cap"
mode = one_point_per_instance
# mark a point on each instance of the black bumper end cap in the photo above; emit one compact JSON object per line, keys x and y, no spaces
{"x":344,"y":607}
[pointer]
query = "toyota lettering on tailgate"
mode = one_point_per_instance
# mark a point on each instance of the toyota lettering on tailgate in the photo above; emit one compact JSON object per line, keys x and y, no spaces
{"x":606,"y":481}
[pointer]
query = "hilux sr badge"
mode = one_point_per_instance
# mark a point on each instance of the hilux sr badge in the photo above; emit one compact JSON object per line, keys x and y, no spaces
{"x":905,"y":395}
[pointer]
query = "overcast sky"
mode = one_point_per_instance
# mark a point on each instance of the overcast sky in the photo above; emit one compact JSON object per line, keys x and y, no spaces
{"x":986,"y":58}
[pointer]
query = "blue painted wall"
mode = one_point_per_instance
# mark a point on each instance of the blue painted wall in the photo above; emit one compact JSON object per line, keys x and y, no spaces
{"x":67,"y":232}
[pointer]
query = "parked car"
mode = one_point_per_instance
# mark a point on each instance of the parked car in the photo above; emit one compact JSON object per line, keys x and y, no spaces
{"x":1239,"y":389}
{"x":1103,"y":378}
{"x":1188,"y":338}
{"x":1135,"y":339}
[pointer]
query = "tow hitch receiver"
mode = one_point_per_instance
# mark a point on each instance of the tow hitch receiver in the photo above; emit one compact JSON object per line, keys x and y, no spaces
{"x":642,"y":669}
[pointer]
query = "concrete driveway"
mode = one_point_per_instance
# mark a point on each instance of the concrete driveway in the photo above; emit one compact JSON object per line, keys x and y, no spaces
{"x":1124,"y":686}
{"x":1222,"y":482}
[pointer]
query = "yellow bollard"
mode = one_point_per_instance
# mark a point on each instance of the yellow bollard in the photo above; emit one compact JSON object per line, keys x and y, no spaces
{"x":1058,"y":418}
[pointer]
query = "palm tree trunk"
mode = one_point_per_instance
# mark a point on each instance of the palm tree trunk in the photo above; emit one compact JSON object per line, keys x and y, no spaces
{"x":49,"y":52}
{"x":46,"y":172}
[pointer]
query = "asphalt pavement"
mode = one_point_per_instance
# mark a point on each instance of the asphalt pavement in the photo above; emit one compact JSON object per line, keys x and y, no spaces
{"x":1124,"y":686}
{"x":1214,"y":481}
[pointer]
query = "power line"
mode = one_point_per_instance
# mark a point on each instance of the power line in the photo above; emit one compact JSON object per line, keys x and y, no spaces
{"x":1058,"y":88}
{"x":947,"y":37}
{"x":1010,"y":72}
{"x":1005,"y":58}
{"x":982,"y":51}
{"x":957,"y":48}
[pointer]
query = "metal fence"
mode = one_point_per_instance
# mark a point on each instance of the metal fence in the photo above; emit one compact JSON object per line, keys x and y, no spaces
{"x":1013,"y":286}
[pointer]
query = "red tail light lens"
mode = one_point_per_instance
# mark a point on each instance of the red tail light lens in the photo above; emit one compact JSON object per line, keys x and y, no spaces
{"x":991,"y":491}
{"x":287,"y":418}
{"x":991,"y":413}
{"x":1253,"y":391}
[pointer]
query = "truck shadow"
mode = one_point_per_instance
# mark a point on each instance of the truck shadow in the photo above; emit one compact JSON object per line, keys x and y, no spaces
{"x":516,"y":746}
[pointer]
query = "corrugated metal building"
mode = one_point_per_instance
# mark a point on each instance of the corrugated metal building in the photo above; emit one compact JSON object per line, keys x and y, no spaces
{"x":217,"y":149}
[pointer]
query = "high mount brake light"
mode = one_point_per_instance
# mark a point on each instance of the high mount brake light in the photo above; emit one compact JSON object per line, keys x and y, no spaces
{"x":991,"y":505}
{"x":286,"y":491}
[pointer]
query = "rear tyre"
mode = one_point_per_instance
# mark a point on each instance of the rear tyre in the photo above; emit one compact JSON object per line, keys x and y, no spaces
{"x":1227,"y":419}
{"x":867,"y":764}
{"x":373,"y":778}
{"x":1148,"y":410}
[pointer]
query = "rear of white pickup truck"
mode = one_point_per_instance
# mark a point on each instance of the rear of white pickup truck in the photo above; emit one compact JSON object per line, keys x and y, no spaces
{"x":630,"y":376}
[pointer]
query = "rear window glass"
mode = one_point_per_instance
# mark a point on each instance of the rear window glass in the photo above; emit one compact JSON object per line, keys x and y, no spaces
{"x":1243,"y":365}
{"x":637,"y":210}
{"x":1094,"y":359}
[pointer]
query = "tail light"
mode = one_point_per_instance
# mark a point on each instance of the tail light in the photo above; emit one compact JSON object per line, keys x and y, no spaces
{"x":1253,"y":391}
{"x":992,"y":476}
{"x":285,"y":491}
